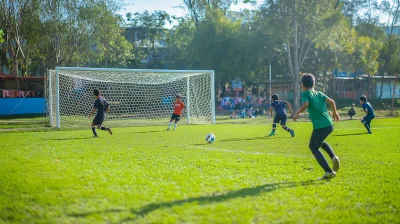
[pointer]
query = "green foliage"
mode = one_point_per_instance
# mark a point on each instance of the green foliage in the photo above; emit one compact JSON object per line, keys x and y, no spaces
{"x":148,"y":175}
{"x":45,"y":34}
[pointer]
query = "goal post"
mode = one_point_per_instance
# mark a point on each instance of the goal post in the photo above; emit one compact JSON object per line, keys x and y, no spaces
{"x":136,"y":96}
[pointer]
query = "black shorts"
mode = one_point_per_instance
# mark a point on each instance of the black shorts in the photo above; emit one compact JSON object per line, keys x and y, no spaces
{"x":319,"y":135}
{"x":282,"y":118}
{"x":176,"y":117}
{"x":98,"y":120}
{"x":367,"y":119}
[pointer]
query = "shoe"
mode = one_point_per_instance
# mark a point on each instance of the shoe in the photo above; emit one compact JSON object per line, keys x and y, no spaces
{"x":272,"y":133}
{"x":292,"y":133}
{"x":95,"y":136}
{"x":328,"y":175}
{"x":369,"y":132}
{"x":174,"y":129}
{"x":109,"y":131}
{"x":336,"y":163}
{"x":167,"y":129}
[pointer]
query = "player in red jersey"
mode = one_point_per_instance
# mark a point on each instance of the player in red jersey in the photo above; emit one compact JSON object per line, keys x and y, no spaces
{"x":178,"y":107}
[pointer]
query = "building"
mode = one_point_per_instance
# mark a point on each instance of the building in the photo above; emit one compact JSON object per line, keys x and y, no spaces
{"x":151,"y":42}
{"x":354,"y":87}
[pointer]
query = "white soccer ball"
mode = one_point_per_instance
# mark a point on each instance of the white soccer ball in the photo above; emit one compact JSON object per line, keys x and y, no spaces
{"x":210,"y":138}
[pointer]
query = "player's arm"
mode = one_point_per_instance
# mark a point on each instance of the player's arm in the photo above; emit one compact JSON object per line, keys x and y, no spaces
{"x":289,"y":107}
{"x":366,"y":110}
{"x":107,"y":109}
{"x":301,"y":110}
{"x":92,"y":112}
{"x":270,"y":111}
{"x":335,"y":114}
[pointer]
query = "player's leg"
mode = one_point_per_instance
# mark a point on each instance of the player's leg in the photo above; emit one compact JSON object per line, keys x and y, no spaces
{"x":96,"y":122}
{"x":283,"y":124}
{"x":276,"y":121}
{"x":170,"y":121}
{"x":317,"y":138}
{"x":105,"y":128}
{"x":366,"y":121}
{"x":94,"y":129}
{"x":178,"y":118}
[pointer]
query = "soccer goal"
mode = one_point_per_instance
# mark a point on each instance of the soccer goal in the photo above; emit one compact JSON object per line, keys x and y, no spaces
{"x":136,"y":96}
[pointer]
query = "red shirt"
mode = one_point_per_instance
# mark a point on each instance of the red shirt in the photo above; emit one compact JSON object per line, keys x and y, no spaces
{"x":178,"y":106}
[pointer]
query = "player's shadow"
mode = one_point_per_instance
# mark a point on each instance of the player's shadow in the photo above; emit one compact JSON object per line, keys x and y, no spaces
{"x":349,"y":134}
{"x":63,"y":139}
{"x":217,"y":198}
{"x":214,"y":198}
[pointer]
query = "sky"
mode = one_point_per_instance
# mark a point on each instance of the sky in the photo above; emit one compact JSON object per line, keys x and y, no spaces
{"x":170,"y":6}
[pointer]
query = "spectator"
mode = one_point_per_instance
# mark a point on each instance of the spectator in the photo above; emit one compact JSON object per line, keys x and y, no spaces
{"x":352,"y":111}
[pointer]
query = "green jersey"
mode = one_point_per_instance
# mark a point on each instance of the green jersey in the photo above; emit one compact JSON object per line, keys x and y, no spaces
{"x":317,"y":108}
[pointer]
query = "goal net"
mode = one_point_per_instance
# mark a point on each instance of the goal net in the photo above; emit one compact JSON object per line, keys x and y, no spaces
{"x":136,"y":97}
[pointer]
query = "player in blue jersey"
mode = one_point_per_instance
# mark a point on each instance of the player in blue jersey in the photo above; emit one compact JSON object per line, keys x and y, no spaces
{"x":280,"y":114}
{"x":369,"y":111}
{"x":102,"y":107}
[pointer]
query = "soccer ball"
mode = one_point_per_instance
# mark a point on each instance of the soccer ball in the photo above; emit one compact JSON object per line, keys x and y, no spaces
{"x":210,"y":138}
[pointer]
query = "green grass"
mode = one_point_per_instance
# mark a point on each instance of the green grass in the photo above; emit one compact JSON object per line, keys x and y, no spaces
{"x":149,"y":175}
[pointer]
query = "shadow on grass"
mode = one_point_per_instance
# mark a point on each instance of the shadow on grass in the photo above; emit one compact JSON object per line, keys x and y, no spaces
{"x":349,"y":134}
{"x":214,"y":198}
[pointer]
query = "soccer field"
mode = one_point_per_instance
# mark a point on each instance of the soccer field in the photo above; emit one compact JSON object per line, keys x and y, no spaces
{"x":149,"y":175}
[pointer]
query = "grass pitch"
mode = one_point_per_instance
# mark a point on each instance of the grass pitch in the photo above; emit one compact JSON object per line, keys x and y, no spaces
{"x":149,"y":175}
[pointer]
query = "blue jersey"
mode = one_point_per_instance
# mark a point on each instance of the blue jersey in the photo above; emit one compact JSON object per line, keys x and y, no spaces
{"x":367,"y":107}
{"x":100,"y":104}
{"x":279,"y":106}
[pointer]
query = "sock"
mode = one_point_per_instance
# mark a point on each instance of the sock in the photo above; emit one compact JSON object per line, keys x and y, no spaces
{"x":94,"y":131}
{"x":328,"y":149}
{"x":175,"y":125}
{"x":169,"y":126}
{"x":104,"y":128}
{"x":287,"y":129}
{"x":367,"y":126}
{"x":273,"y":127}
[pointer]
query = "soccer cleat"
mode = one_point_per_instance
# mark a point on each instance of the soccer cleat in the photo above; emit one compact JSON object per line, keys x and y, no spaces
{"x":109,"y":131}
{"x":369,"y":132}
{"x":95,"y":136}
{"x":336,"y":163}
{"x":292,"y":133}
{"x":328,"y":175}
{"x":167,"y":129}
{"x":272,"y":134}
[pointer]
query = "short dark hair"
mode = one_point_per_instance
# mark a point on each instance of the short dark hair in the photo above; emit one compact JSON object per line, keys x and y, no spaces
{"x":96,"y":92}
{"x":363,"y":98}
{"x":178,"y":96}
{"x":275,"y":97}
{"x":308,"y":80}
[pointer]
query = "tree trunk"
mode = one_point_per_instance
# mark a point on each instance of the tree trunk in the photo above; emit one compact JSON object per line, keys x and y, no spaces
{"x":393,"y":95}
{"x":381,"y":90}
{"x":296,"y":78}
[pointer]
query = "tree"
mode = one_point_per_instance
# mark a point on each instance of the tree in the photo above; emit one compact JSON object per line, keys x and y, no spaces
{"x":301,"y":23}
{"x":16,"y":18}
{"x":392,"y":10}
